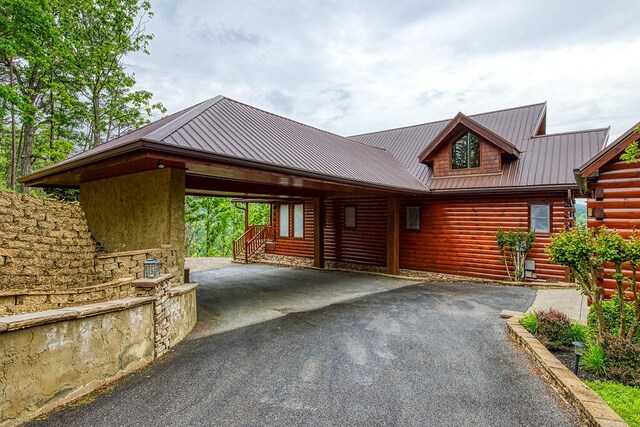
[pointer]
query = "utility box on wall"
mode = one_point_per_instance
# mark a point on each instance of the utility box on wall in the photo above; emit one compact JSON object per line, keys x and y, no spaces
{"x":530,"y":269}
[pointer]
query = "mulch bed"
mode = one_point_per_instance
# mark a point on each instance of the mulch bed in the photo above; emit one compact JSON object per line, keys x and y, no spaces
{"x":568,"y":359}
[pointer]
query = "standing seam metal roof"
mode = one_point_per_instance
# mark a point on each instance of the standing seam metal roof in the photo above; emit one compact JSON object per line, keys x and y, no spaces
{"x":230,"y":129}
{"x":546,"y":160}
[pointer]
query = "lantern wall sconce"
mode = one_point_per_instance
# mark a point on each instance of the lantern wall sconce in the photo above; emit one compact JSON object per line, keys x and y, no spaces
{"x":151,"y":268}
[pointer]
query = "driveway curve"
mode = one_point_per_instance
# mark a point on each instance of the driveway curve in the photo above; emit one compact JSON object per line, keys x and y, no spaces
{"x":424,"y":354}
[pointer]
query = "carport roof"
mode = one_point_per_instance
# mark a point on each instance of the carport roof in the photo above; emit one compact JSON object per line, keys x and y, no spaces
{"x":229,"y":132}
{"x":233,"y":130}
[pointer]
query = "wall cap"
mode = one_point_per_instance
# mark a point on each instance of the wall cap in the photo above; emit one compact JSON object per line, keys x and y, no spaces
{"x":27,"y":320}
{"x":150,"y":283}
{"x":593,"y":409}
{"x":182,"y":289}
{"x":127,"y":253}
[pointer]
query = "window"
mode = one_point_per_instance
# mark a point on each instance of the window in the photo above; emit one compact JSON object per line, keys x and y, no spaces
{"x":284,"y":221}
{"x":298,"y":220}
{"x":413,"y":217}
{"x":465,"y":152}
{"x":349,"y":217}
{"x":540,"y":218}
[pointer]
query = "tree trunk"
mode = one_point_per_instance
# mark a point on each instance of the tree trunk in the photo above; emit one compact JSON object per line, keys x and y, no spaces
{"x":636,"y":304}
{"x":14,"y":152}
{"x":95,"y":125}
{"x":622,"y":304}
{"x":27,"y":148}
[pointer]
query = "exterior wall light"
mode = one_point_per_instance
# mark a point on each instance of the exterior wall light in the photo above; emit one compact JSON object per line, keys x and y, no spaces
{"x":160,"y":164}
{"x":151,"y":268}
{"x":578,"y":348}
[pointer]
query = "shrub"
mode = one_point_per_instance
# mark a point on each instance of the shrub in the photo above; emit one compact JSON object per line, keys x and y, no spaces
{"x":530,"y":323}
{"x":623,"y":358}
{"x":517,"y":243}
{"x":595,"y":360}
{"x":577,"y":332}
{"x":553,"y":329}
{"x":611,"y":309}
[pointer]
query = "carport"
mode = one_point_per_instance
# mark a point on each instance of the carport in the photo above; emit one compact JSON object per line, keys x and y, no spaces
{"x":132,"y":188}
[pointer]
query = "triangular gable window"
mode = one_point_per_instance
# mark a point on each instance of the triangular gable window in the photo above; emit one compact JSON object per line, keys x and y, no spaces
{"x":465,"y":152}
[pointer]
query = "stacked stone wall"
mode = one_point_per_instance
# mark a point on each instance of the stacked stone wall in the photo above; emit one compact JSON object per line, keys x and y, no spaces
{"x":129,"y":264}
{"x":49,"y":260}
{"x":44,"y":245}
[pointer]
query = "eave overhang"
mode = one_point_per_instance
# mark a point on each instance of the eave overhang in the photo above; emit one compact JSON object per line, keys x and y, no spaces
{"x":159,"y":151}
{"x":608,"y":153}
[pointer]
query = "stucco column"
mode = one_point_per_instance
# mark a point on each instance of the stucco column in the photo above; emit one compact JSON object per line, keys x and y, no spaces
{"x":137,"y":211}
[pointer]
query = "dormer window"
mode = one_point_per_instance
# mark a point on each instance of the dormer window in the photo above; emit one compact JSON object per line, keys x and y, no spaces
{"x":465,"y":152}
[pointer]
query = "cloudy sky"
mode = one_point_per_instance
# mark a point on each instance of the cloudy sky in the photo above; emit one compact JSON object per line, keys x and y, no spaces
{"x":353,"y":66}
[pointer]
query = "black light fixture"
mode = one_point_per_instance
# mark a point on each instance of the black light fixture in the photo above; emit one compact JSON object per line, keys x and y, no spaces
{"x":160,"y":164}
{"x":578,"y":348}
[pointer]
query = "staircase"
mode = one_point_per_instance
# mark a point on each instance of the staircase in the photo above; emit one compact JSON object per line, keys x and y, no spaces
{"x":253,"y":239}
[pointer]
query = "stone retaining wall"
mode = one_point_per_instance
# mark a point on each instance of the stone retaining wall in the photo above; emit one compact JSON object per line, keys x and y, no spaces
{"x":37,"y":300}
{"x":53,"y":357}
{"x":44,"y":244}
{"x":129,"y":264}
{"x":48,"y":258}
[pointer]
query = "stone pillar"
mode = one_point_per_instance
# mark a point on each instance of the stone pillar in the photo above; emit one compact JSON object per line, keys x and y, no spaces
{"x":158,"y":289}
{"x":138,"y":211}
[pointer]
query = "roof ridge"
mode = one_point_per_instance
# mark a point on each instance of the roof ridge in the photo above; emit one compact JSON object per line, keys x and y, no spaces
{"x":303,"y":124}
{"x":571,"y":131}
{"x":190,"y":114}
{"x":512,"y":108}
{"x":447,"y":120}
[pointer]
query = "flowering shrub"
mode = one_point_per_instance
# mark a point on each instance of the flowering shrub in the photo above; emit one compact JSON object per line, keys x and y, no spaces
{"x":553,"y":329}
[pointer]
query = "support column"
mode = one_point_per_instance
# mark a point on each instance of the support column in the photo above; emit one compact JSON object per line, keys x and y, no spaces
{"x":393,"y":236}
{"x":246,"y":217}
{"x":318,"y":232}
{"x":138,"y":211}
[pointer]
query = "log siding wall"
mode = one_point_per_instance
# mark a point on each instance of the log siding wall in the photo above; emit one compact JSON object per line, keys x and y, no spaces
{"x":614,"y":201}
{"x":456,"y":236}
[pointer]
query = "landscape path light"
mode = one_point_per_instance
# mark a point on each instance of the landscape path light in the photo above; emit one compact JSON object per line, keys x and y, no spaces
{"x":578,"y":348}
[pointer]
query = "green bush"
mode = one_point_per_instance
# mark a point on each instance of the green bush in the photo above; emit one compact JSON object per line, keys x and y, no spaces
{"x":625,"y":400}
{"x":623,"y":361}
{"x":553,"y":329}
{"x":530,"y":323}
{"x":595,"y":360}
{"x":611,"y":310}
{"x":577,"y":332}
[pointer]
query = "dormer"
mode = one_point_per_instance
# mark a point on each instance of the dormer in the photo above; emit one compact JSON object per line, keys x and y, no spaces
{"x":465,"y":147}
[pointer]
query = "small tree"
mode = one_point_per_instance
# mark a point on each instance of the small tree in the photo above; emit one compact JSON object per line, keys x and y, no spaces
{"x":575,"y":249}
{"x":634,"y":262}
{"x":632,"y":152}
{"x":518,"y":243}
{"x":611,"y":247}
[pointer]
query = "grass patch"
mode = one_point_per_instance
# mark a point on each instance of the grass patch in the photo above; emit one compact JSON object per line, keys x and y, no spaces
{"x":623,"y":399}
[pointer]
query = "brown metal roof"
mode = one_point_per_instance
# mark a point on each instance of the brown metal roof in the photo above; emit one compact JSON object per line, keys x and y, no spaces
{"x":234,"y":130}
{"x":227,"y":129}
{"x":610,"y":152}
{"x":545,"y":161}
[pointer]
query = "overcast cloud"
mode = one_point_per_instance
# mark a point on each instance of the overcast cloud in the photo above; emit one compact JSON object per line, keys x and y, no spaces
{"x":355,"y":67}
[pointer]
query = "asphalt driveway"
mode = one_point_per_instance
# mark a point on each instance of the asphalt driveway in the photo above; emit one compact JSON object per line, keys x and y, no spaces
{"x":425,"y":354}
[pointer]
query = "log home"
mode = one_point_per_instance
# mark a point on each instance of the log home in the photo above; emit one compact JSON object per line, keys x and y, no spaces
{"x":428,"y":197}
{"x":612,"y":187}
